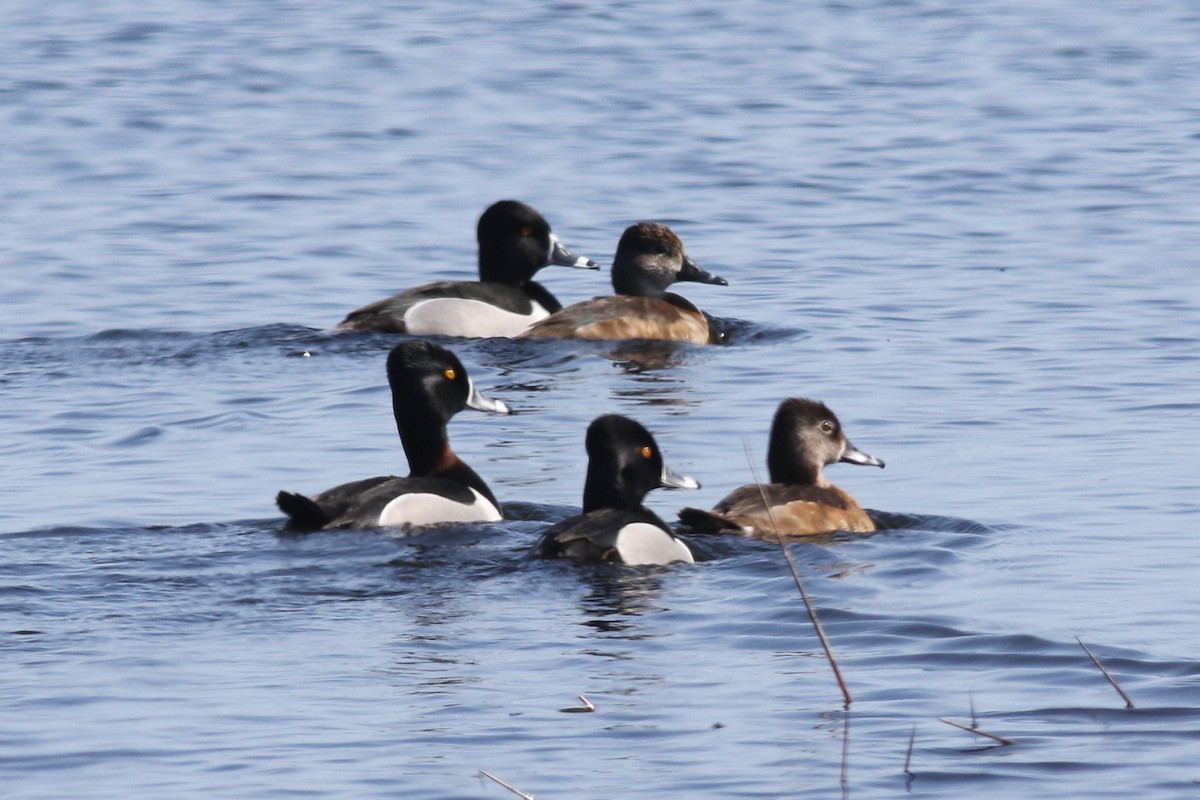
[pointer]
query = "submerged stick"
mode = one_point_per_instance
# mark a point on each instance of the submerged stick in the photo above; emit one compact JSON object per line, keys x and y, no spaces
{"x":1106,"y":673}
{"x":791,"y":562}
{"x":971,"y":729}
{"x":912,"y":738}
{"x":508,"y":786}
{"x":586,"y":708}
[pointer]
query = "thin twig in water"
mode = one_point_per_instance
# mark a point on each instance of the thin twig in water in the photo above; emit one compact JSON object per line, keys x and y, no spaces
{"x":1111,"y":679}
{"x":974,"y":718}
{"x":508,"y":786}
{"x":791,"y":562}
{"x":912,"y":738}
{"x":973,"y":729}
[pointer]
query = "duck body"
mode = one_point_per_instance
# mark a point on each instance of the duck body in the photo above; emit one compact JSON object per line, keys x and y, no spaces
{"x":389,"y":501}
{"x":649,"y":258}
{"x":618,"y":317}
{"x":624,"y":464}
{"x":515,"y":242}
{"x":805,"y":437}
{"x":794,"y":511}
{"x":615,"y":535}
{"x":455,"y":308}
{"x":429,"y":386}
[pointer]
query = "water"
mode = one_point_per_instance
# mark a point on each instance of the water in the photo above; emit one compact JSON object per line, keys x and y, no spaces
{"x":971,"y":229}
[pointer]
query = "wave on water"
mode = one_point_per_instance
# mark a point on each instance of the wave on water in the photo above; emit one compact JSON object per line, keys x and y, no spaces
{"x":120,"y":346}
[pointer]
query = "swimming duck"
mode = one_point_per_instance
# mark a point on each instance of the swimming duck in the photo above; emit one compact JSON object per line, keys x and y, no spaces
{"x":429,"y":386}
{"x":515,"y":242}
{"x":624,"y":463}
{"x":649,"y":259}
{"x":805,"y":437}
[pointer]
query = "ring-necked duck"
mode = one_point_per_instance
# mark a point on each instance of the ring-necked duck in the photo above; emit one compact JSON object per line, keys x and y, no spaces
{"x":649,"y":259}
{"x":805,"y":437}
{"x":429,"y":386}
{"x":514,"y":243}
{"x":624,"y":463}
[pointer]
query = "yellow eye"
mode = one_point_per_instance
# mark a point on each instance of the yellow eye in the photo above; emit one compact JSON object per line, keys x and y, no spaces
{"x":450,"y":373}
{"x":527,"y":231}
{"x":646,"y":451}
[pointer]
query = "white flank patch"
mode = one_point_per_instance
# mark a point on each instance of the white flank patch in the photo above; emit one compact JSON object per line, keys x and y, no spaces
{"x":643,"y":543}
{"x":459,"y":316}
{"x":414,"y":508}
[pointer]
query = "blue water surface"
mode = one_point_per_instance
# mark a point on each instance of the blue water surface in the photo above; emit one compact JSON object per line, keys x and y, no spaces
{"x":970,"y":228}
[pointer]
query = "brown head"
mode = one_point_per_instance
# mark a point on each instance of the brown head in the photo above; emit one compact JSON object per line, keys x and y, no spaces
{"x":650,"y":258}
{"x":805,"y":437}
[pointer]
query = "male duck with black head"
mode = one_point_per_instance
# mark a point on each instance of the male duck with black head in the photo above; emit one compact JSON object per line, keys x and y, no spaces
{"x":624,"y":463}
{"x":649,"y":259}
{"x":799,"y":501}
{"x":429,"y":386}
{"x":515,"y":242}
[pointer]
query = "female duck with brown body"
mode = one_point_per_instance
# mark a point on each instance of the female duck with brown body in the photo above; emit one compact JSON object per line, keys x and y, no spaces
{"x":429,"y":386}
{"x":624,"y":463}
{"x":799,"y":501}
{"x":649,"y":259}
{"x":514,"y":243}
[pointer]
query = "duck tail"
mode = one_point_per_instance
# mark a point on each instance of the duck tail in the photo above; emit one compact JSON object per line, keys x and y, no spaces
{"x":701,"y":522}
{"x":303,"y":513}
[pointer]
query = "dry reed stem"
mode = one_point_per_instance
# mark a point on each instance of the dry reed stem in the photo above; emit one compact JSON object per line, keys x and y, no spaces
{"x":791,"y":562}
{"x":508,"y":786}
{"x":1106,"y":673}
{"x":972,"y":729}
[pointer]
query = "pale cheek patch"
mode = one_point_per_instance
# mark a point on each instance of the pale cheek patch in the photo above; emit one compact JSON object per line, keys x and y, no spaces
{"x":459,"y":316}
{"x":643,"y":543}
{"x":415,"y":509}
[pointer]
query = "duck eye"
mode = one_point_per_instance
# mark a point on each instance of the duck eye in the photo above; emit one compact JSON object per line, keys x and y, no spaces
{"x":646,"y":451}
{"x":527,"y":231}
{"x":826,"y":426}
{"x":450,"y":373}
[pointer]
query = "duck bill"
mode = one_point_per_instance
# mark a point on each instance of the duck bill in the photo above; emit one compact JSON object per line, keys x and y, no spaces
{"x":673,"y":480}
{"x":562,"y":257}
{"x":480,"y":402}
{"x":855,"y":456}
{"x":692,"y":272}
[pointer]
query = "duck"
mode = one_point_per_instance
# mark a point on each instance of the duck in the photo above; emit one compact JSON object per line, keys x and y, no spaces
{"x":429,"y":386}
{"x":649,"y":258}
{"x":515,"y":241}
{"x":799,"y":501}
{"x":624,"y":463}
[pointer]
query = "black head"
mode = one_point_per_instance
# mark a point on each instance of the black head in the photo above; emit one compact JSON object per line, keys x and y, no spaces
{"x":650,"y":258}
{"x":624,"y":463}
{"x":515,"y":242}
{"x":430,"y":385}
{"x":805,"y":437}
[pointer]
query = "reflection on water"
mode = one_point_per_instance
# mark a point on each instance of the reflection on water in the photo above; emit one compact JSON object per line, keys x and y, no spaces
{"x":616,"y":593}
{"x":643,"y":355}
